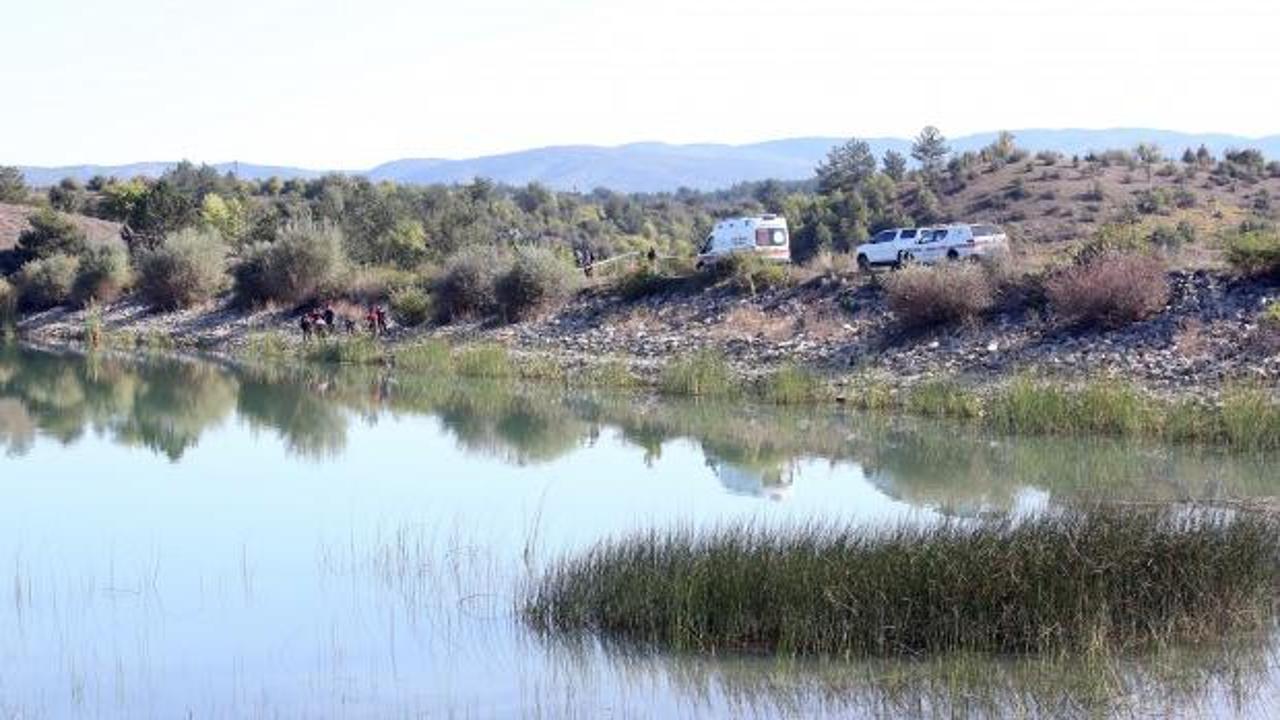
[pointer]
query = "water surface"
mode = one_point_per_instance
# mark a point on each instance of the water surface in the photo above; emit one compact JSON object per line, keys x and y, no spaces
{"x":185,"y":538}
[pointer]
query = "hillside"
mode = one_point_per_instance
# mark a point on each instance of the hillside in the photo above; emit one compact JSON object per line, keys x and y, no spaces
{"x":1046,"y":208}
{"x":13,"y":220}
{"x":652,"y":167}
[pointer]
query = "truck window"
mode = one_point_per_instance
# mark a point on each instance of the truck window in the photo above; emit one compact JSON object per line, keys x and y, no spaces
{"x":884,"y":236}
{"x":770,"y":237}
{"x":908,"y":234}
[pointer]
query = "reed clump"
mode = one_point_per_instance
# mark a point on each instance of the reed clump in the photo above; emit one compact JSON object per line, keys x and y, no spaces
{"x":792,"y":384}
{"x":701,"y":374}
{"x":1095,"y":581}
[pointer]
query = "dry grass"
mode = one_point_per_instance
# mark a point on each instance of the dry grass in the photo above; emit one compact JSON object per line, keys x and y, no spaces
{"x":1190,"y":340}
{"x":928,"y":296}
{"x":742,"y":322}
{"x":1111,"y":290}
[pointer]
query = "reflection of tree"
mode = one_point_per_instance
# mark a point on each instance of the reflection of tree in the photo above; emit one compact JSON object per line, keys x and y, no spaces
{"x":175,"y":404}
{"x":162,"y":405}
{"x":165,"y":405}
{"x":17,"y":429}
{"x":310,"y":425}
{"x":503,"y":421}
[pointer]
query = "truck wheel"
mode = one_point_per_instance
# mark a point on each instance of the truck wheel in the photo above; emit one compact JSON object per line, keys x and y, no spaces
{"x":953,"y":255}
{"x":864,"y":264}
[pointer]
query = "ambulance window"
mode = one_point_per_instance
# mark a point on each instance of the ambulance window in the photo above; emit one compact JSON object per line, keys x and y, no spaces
{"x":766,"y":237}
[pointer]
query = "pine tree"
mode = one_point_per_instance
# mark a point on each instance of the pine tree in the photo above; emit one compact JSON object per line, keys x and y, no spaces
{"x":930,"y":149}
{"x":895,"y":165}
{"x":846,"y":167}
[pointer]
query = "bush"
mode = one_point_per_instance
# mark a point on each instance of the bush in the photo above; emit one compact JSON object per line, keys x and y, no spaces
{"x":51,"y":233}
{"x":466,"y":286}
{"x":642,"y":282}
{"x":927,"y":296}
{"x":8,"y":303}
{"x":536,"y":278}
{"x":748,"y":272}
{"x":1110,"y":239}
{"x":103,"y":275}
{"x":1254,"y":252}
{"x":304,"y":258}
{"x":46,"y":282}
{"x":1109,"y":290}
{"x":410,"y":306}
{"x":186,"y":268}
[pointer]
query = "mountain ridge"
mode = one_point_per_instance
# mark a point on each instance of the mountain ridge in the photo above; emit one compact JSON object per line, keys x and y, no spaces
{"x":656,"y":166}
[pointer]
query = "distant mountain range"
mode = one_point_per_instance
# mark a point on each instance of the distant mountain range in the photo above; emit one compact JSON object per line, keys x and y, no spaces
{"x":655,"y":167}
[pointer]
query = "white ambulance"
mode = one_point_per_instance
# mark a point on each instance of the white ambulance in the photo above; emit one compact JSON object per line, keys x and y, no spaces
{"x":764,"y":235}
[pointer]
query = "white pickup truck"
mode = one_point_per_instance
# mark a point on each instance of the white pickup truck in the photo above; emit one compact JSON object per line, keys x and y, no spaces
{"x":898,"y":246}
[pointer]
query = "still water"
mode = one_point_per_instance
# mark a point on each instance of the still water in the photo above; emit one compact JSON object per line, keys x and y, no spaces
{"x":180,"y":538}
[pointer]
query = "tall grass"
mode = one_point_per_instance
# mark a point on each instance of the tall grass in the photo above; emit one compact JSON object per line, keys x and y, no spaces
{"x":484,"y":360}
{"x":791,"y":384}
{"x":360,"y":350}
{"x":1093,"y":581}
{"x":702,"y":374}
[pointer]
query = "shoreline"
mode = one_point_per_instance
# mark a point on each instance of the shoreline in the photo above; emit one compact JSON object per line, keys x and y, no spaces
{"x":822,"y":342}
{"x":1207,"y":338}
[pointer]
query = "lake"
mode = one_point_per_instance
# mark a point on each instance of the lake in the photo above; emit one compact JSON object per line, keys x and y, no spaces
{"x":186,"y":538}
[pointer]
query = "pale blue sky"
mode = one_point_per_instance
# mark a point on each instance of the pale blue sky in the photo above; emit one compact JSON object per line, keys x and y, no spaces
{"x":335,"y":84}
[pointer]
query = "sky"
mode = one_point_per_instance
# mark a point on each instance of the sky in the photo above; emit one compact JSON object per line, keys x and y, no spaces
{"x":347,"y":85}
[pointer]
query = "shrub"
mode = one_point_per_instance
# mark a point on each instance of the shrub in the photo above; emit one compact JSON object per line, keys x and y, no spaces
{"x":466,"y":286}
{"x":536,"y":278}
{"x":186,"y":268}
{"x":1254,"y":252}
{"x":13,"y":186}
{"x":1110,"y":290}
{"x":304,"y":258}
{"x":641,"y":282}
{"x":1112,"y":238}
{"x":51,"y":233}
{"x":751,"y":273}
{"x":8,"y":303}
{"x":927,"y":296}
{"x":410,"y":306}
{"x":369,"y":284}
{"x":46,"y":282}
{"x":103,"y":275}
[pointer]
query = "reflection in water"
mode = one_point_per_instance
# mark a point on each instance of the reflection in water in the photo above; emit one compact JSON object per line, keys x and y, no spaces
{"x":166,"y":405}
{"x":351,"y":542}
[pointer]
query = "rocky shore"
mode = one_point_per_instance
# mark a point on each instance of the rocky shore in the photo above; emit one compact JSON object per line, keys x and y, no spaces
{"x":1207,"y":335}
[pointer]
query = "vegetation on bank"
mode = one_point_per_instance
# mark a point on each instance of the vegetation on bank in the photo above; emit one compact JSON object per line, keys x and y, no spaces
{"x":505,"y":253}
{"x":1094,"y":582}
{"x":1246,"y":417}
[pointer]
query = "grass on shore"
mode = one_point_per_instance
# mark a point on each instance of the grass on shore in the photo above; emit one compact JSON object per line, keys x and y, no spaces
{"x":1245,"y":418}
{"x":1081,"y":582}
{"x":704,"y":373}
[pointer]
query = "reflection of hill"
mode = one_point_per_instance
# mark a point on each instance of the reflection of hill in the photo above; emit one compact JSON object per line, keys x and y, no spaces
{"x":166,"y":405}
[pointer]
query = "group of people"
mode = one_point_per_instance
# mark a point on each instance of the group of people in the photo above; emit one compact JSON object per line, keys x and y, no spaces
{"x":324,"y":321}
